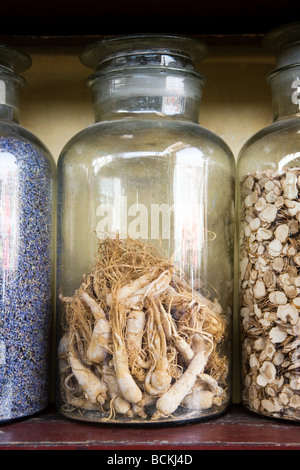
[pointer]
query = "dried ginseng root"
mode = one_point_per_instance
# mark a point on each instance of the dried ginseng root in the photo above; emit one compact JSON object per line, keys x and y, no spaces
{"x":270,"y":292}
{"x":139,"y":343}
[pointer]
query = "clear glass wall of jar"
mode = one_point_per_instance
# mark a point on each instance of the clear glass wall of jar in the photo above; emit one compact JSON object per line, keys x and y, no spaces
{"x":27,"y":179}
{"x":269,"y":179}
{"x":145,"y":234}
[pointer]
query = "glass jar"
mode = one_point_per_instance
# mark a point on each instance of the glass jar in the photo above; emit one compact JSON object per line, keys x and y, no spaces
{"x":269,"y":179}
{"x":27,"y":172}
{"x":145,"y":230}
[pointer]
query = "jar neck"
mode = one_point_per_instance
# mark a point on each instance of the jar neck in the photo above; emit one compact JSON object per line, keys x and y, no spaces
{"x":140,"y":93}
{"x":285,"y":86}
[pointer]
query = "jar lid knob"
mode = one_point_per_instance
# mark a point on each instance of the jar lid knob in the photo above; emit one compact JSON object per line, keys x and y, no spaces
{"x":285,"y":40}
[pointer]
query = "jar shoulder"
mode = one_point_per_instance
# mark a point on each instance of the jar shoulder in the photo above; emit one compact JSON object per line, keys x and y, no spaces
{"x":272,"y":143}
{"x":10,"y":131}
{"x":159,"y":136}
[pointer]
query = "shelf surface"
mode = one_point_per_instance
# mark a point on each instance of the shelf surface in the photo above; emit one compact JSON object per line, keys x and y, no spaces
{"x":238,"y":429}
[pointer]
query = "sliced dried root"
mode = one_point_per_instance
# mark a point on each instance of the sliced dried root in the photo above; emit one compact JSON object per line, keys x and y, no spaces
{"x":138,"y":337}
{"x":270,"y":290}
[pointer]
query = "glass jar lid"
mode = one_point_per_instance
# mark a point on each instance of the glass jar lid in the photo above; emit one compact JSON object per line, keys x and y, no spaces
{"x":15,"y":60}
{"x":165,"y":51}
{"x":285,"y":41}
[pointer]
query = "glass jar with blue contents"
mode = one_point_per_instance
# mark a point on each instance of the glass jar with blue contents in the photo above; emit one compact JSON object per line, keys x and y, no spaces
{"x":27,"y":176}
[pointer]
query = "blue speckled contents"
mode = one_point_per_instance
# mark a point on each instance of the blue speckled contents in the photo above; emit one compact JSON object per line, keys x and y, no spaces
{"x":25,"y":278}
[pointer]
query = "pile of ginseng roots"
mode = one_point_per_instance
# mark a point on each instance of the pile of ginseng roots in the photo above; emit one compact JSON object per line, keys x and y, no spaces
{"x":136,"y":334}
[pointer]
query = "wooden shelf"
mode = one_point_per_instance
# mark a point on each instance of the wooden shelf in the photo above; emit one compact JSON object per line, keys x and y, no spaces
{"x":238,"y":429}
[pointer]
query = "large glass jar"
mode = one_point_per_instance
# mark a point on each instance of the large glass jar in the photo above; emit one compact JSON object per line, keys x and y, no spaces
{"x":27,"y":174}
{"x":145,"y":232}
{"x":269,"y":179}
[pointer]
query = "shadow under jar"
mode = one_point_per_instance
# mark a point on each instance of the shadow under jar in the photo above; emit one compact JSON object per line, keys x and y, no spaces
{"x":269,"y":179}
{"x":145,"y":230}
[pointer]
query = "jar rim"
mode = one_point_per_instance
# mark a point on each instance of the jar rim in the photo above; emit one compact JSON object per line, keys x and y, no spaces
{"x":143,"y":70}
{"x":8,"y":74}
{"x":284,"y":68}
{"x":97,"y":52}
